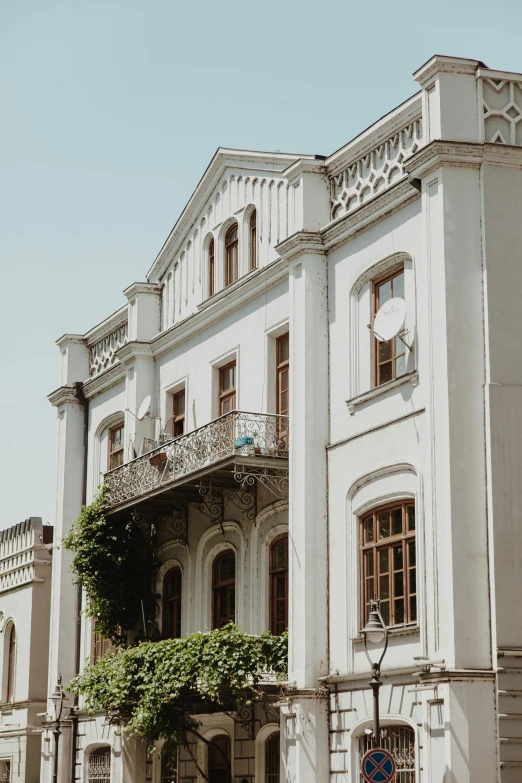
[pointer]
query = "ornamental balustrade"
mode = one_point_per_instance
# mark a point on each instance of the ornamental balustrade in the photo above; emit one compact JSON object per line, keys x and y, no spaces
{"x":502,"y":110}
{"x":234,"y":435}
{"x":102,"y":354}
{"x":375,"y":171}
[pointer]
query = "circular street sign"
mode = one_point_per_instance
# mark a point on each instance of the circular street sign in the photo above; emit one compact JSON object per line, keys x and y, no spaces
{"x":390,"y":318}
{"x":378,"y":766}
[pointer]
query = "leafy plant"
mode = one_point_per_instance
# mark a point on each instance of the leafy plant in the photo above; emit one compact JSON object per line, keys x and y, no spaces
{"x":153,"y":687}
{"x":115,"y":564}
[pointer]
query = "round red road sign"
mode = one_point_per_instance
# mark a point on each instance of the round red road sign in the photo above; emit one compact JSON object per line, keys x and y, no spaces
{"x":378,"y":766}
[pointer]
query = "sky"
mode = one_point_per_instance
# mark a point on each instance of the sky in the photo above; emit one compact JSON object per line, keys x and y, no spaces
{"x":110,"y":112}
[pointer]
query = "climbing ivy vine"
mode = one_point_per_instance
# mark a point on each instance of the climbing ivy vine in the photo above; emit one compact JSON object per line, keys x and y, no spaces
{"x":152,"y":687}
{"x":114,"y":562}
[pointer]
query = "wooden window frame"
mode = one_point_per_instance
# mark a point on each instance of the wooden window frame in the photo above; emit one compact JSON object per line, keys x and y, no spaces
{"x":227,"y":394}
{"x":99,"y":645}
{"x":222,"y":588}
{"x":253,"y":240}
{"x":370,"y":582}
{"x":172,"y":604}
{"x":121,"y":449}
{"x":281,"y":367}
{"x":211,"y":267}
{"x":274,"y":572}
{"x":178,"y":419}
{"x":389,"y":276}
{"x":229,"y":248}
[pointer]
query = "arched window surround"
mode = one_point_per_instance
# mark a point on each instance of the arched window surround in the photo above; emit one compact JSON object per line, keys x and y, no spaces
{"x":9,"y":662}
{"x":386,"y":484}
{"x":271,"y":522}
{"x":101,"y":447}
{"x":264,"y":733}
{"x":361,"y":343}
{"x":92,"y":748}
{"x":209,"y":546}
{"x":358,"y":730}
{"x":175,"y":554}
{"x":231,"y":251}
{"x":216,"y":725}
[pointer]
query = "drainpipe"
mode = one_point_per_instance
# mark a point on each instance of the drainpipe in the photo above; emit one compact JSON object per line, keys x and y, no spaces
{"x":80,"y":396}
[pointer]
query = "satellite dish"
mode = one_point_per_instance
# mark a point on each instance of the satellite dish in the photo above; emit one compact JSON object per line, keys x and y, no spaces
{"x":144,"y":407}
{"x":390,"y":319}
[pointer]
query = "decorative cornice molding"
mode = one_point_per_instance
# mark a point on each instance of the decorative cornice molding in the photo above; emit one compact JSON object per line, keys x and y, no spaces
{"x":104,"y":380}
{"x":442,"y":64}
{"x":507,"y":76}
{"x":67,"y":339}
{"x":367,"y":215}
{"x":141,"y":288}
{"x":439,"y":153}
{"x":133,"y":350}
{"x":222,"y":304}
{"x":63,"y":395}
{"x":301,"y":242}
{"x":305,"y":166}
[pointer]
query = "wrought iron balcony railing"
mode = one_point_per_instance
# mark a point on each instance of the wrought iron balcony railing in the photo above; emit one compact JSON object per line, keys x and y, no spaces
{"x":234,"y":435}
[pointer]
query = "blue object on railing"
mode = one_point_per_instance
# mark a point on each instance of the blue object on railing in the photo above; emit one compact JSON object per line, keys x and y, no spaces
{"x":246,"y":441}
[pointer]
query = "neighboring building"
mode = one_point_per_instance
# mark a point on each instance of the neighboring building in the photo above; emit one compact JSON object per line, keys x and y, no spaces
{"x":25,"y":601}
{"x":371,"y":467}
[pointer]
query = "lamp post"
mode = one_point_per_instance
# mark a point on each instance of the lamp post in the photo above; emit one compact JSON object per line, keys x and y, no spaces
{"x":374,"y":632}
{"x":58,"y":698}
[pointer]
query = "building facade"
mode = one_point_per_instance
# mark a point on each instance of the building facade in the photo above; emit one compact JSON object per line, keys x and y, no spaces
{"x":25,"y":600}
{"x":295,"y":464}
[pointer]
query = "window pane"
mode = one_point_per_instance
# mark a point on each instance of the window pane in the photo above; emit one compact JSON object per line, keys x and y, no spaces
{"x":385,"y":612}
{"x":226,"y":568}
{"x":411,"y":552}
{"x":398,"y":285}
{"x":280,"y":553}
{"x":413,"y":608}
{"x":400,"y":366}
{"x":227,"y":406}
{"x":383,"y":561}
{"x":411,"y":517}
{"x":399,"y":611}
{"x":397,"y":558}
{"x":386,"y":373}
{"x":384,"y":524}
{"x":413,"y":580}
{"x":179,"y":401}
{"x":385,"y":351}
{"x":396,"y":521}
{"x":369,"y":563}
{"x":116,"y":438}
{"x":284,"y":349}
{"x":368,"y":527}
{"x":384,"y":587}
{"x":398,"y":584}
{"x":384,"y":293}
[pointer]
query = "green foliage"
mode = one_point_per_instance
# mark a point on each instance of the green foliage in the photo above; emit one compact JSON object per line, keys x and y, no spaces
{"x":115,"y":563}
{"x":151,"y":687}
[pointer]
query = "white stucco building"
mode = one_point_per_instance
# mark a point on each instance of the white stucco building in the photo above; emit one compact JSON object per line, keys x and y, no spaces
{"x":25,"y":599}
{"x":397,"y":472}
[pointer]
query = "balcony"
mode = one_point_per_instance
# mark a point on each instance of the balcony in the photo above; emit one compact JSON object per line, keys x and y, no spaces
{"x":235,"y":450}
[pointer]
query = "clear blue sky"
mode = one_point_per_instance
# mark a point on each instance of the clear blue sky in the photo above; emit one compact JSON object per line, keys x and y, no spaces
{"x":111,"y":111}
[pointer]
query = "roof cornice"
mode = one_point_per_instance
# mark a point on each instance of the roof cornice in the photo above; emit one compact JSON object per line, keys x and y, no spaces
{"x":257,"y":162}
{"x":67,"y":339}
{"x":141,"y":288}
{"x":104,"y":380}
{"x":440,"y":63}
{"x":133,"y":350}
{"x":299,"y":243}
{"x":63,"y":395}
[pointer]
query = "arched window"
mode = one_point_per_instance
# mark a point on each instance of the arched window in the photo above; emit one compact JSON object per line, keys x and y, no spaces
{"x":219,"y":760}
{"x":231,"y":255}
{"x":211,"y":267}
{"x":100,"y":765}
{"x":224,"y":589}
{"x":390,"y":356}
{"x":11,"y":663}
{"x":116,"y":445}
{"x":169,"y":764}
{"x":253,"y":240}
{"x":272,"y":758}
{"x":279,"y":584}
{"x":388,"y":562}
{"x":172,"y":604}
{"x":400,"y":742}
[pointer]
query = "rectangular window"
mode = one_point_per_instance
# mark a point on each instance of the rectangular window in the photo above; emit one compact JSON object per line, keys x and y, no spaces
{"x":116,"y":441}
{"x":279,"y":585}
{"x":390,"y":356}
{"x":227,"y":388}
{"x":388,"y":563}
{"x":178,"y":414}
{"x":99,"y":645}
{"x":283,"y":375}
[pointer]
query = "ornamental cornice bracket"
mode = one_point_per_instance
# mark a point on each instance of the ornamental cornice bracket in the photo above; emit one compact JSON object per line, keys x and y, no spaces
{"x":444,"y":153}
{"x":299,"y":243}
{"x":67,"y":339}
{"x":132,"y":350}
{"x":141,"y":288}
{"x":63,"y":395}
{"x":442,"y":64}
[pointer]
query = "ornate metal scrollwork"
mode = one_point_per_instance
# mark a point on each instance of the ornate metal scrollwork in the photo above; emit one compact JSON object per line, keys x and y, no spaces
{"x":244,"y":499}
{"x":274,"y":479}
{"x":212,"y":505}
{"x":177,"y":522}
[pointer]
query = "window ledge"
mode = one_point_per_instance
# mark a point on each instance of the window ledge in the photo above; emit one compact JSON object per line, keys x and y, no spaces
{"x":411,"y":377}
{"x":397,"y":630}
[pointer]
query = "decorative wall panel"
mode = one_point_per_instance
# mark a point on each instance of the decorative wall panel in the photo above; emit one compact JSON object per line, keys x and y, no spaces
{"x":502,"y":111}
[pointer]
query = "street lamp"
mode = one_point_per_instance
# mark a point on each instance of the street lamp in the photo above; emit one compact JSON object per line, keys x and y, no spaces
{"x":58,"y":698}
{"x":374,"y":632}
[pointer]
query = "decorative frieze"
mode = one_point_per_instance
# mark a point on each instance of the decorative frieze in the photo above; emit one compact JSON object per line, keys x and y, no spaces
{"x":502,"y":110}
{"x":18,"y":560}
{"x":376,"y":170}
{"x":102,"y":353}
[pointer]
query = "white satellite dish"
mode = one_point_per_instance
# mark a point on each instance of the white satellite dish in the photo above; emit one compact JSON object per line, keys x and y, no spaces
{"x":144,"y":407}
{"x":390,"y":319}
